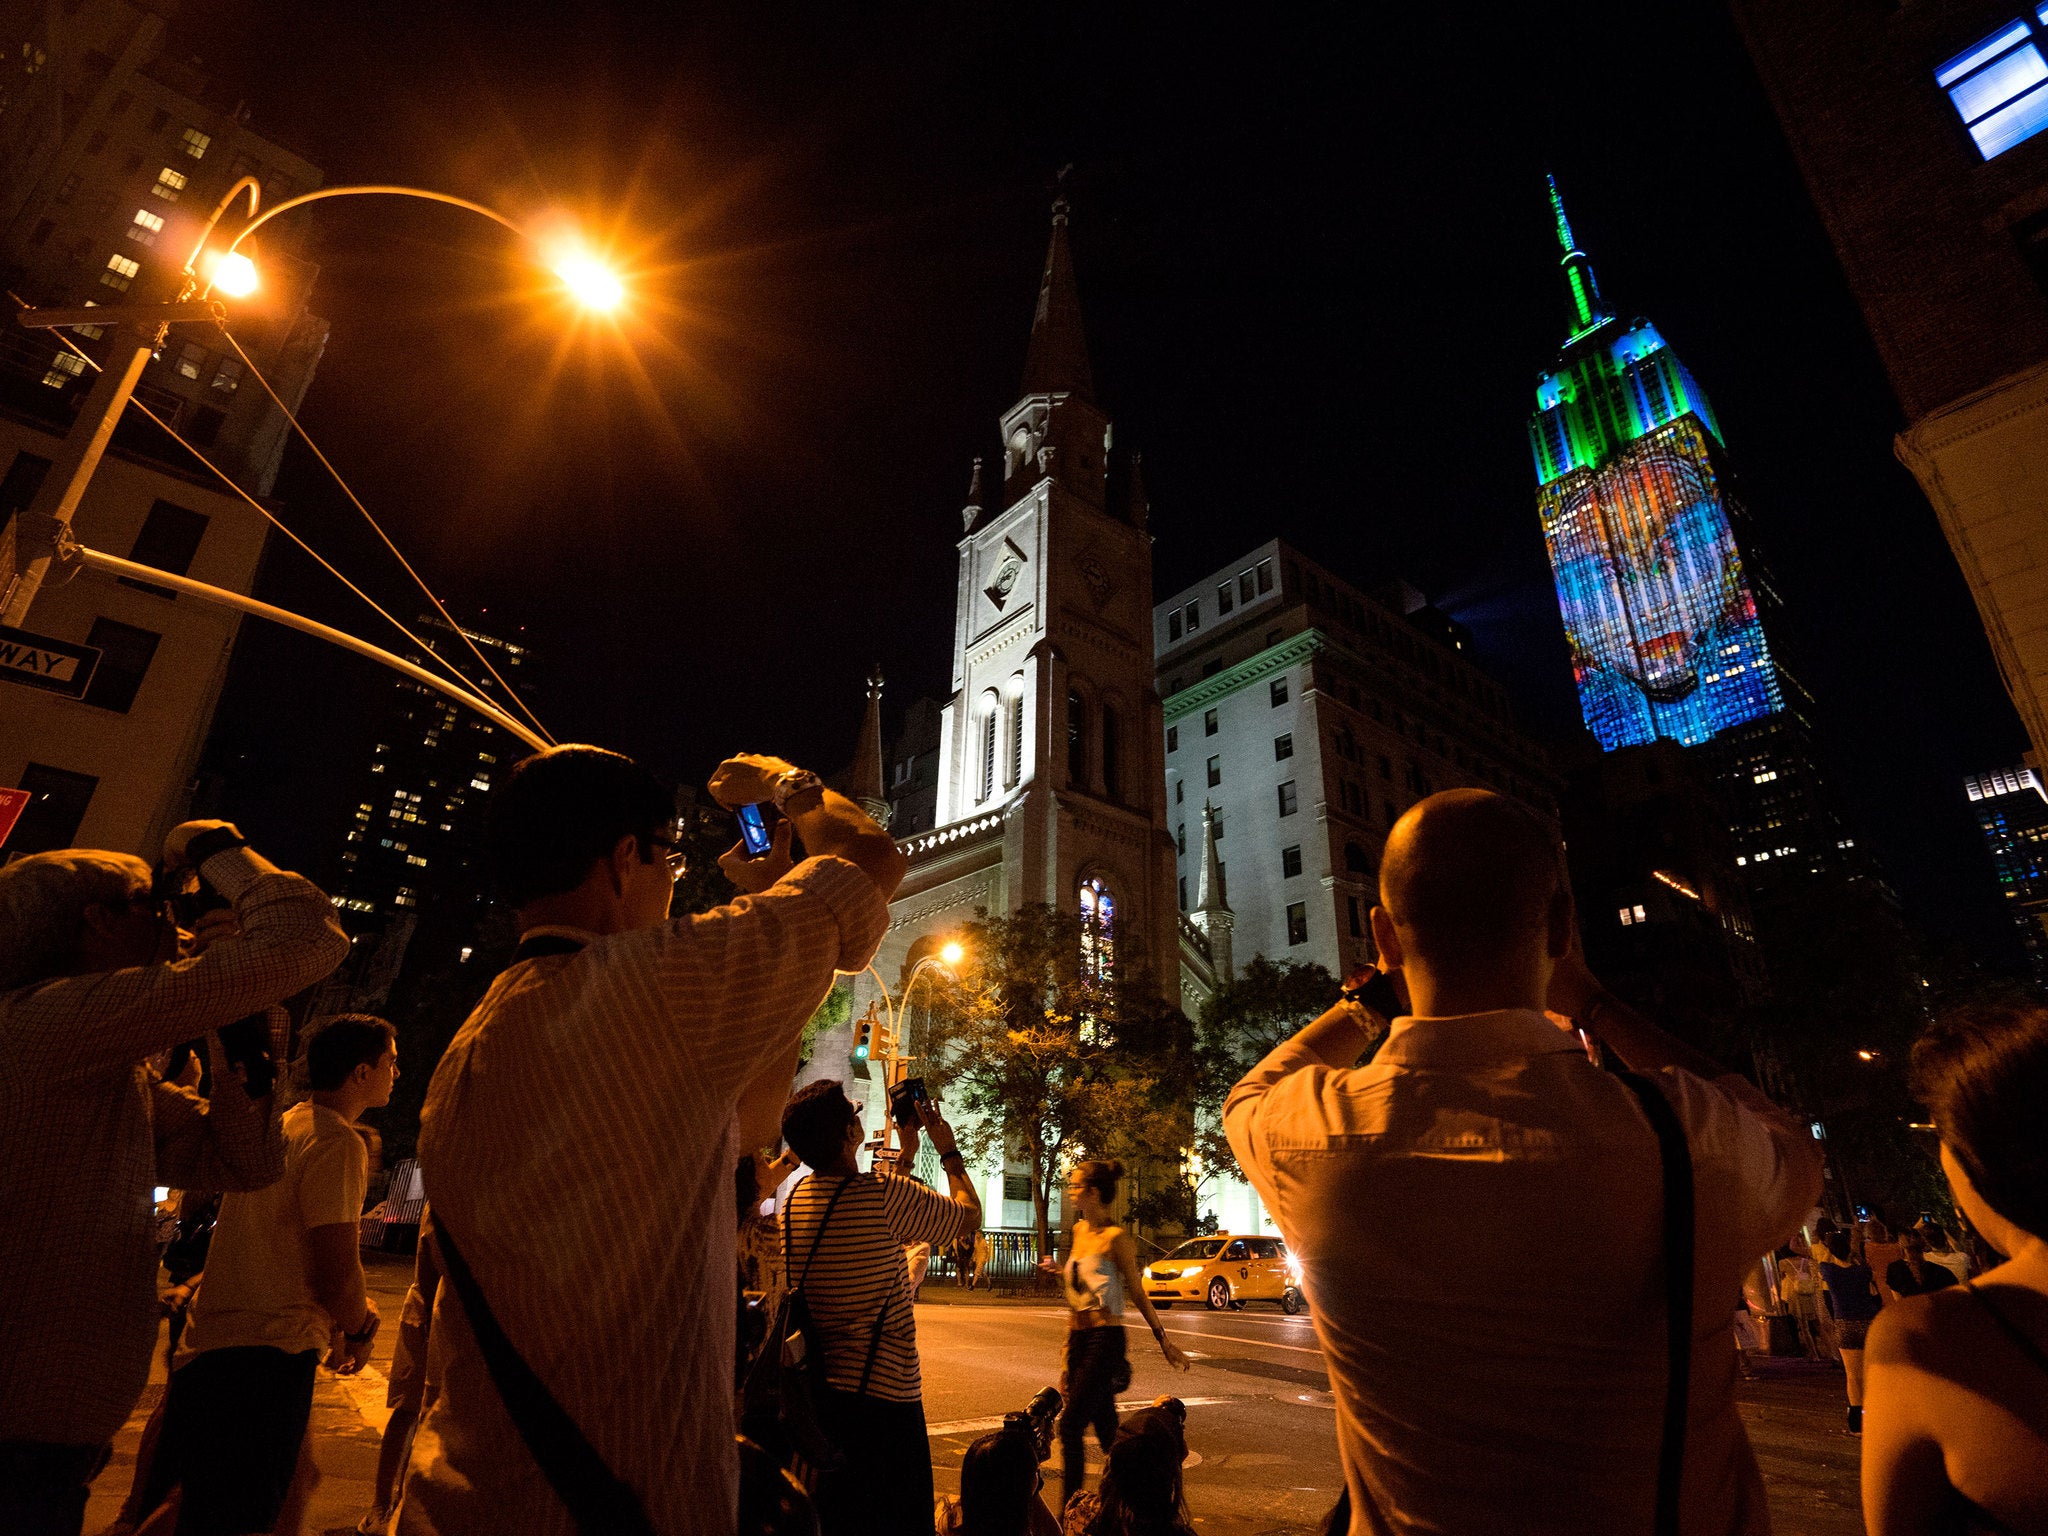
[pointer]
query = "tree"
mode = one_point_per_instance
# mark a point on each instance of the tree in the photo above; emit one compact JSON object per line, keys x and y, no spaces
{"x":1266,"y":1003}
{"x":1044,"y":1061}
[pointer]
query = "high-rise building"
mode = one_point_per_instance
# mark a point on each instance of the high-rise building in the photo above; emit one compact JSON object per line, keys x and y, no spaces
{"x":1673,"y":619}
{"x":1919,"y":131}
{"x":113,"y":152}
{"x":2012,"y":812}
{"x":411,"y":887}
{"x":1302,"y":717}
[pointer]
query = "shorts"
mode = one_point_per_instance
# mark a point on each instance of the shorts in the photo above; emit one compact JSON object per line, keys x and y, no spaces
{"x":408,"y":1387}
{"x":233,"y":1420}
{"x":1853,"y":1334}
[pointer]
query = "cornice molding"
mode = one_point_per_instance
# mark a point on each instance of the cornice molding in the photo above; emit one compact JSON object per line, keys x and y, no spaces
{"x":1263,"y":664}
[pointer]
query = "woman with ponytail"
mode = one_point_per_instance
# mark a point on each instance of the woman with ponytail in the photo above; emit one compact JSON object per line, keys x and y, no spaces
{"x":1101,"y":1271}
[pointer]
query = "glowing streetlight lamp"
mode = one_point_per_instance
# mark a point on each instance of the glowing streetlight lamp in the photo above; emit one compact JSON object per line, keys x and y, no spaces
{"x":894,"y":1059}
{"x":589,"y":280}
{"x":953,"y":953}
{"x":235,"y":275}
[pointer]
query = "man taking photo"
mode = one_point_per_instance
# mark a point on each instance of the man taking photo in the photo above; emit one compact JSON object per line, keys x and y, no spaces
{"x":580,"y":1135}
{"x":1454,"y":1203}
{"x":93,"y":983}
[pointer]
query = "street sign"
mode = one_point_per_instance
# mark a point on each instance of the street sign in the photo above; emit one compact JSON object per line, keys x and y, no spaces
{"x":12,"y":803}
{"x":37,"y":661}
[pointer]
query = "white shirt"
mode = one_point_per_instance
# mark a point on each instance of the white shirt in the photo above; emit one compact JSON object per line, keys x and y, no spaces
{"x":1457,"y":1206}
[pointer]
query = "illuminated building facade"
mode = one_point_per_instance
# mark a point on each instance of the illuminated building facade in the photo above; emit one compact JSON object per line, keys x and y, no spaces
{"x":2011,"y":808}
{"x":1661,"y":615}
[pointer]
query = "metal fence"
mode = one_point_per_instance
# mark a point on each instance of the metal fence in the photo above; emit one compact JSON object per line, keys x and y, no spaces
{"x":1012,"y":1262}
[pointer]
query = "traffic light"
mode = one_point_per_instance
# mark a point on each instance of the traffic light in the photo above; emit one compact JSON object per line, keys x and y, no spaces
{"x":863,"y":1033}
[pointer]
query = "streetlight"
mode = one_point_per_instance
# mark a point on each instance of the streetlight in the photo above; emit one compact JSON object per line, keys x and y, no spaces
{"x":41,"y":532}
{"x":894,"y":1059}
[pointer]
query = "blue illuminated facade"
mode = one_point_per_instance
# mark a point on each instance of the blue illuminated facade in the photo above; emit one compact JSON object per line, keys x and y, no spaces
{"x":1662,"y":618}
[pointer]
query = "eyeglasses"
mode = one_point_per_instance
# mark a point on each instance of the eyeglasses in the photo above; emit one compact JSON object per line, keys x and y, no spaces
{"x":672,"y":854}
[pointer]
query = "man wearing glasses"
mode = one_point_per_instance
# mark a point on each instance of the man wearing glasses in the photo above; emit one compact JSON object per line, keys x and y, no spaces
{"x":579,"y":1138}
{"x":95,"y":978}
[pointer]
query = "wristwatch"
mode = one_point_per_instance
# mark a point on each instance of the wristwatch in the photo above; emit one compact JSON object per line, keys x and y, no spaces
{"x":367,"y":1332}
{"x":204,"y":845}
{"x":795,"y":784}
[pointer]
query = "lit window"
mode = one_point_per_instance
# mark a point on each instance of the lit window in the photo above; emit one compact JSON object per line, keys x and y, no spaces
{"x":1193,"y":612}
{"x":1627,"y":917}
{"x":146,"y":228}
{"x":120,"y":273}
{"x":64,"y":367}
{"x":169,"y":184}
{"x":192,"y":361}
{"x":227,"y":378}
{"x":1641,"y":917}
{"x":479,"y":783}
{"x":196,"y":143}
{"x":1999,"y":88}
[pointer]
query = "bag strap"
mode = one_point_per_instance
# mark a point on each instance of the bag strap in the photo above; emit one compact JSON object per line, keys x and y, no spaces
{"x":874,"y":1339}
{"x":597,"y":1500}
{"x":1676,"y":1158}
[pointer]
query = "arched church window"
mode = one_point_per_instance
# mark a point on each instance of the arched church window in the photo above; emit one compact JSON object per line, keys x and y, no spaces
{"x":1077,"y":740}
{"x":1112,"y":752}
{"x":1017,"y":738}
{"x":1098,"y":930}
{"x":988,"y":754}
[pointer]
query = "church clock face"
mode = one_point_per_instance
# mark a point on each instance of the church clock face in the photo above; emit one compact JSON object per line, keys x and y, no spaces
{"x":1096,"y":575}
{"x":1011,"y":567}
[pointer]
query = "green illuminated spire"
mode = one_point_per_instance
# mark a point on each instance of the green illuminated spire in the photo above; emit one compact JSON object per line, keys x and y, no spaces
{"x":1587,"y":310}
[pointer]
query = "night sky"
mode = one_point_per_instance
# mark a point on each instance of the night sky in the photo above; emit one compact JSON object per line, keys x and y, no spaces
{"x":1320,"y":281}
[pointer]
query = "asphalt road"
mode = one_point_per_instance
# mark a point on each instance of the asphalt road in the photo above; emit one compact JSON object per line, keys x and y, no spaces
{"x":1261,"y":1429}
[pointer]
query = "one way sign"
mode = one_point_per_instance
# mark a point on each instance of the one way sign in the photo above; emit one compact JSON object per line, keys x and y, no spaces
{"x":40,"y":662}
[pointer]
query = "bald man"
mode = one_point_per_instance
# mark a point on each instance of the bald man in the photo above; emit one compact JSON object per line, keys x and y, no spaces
{"x":1478,"y":1210}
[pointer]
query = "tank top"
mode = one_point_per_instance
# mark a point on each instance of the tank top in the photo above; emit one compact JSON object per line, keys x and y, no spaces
{"x":1093,"y":1284}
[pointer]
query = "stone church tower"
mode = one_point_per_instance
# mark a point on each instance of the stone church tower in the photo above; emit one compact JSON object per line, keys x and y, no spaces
{"x":1052,"y":785}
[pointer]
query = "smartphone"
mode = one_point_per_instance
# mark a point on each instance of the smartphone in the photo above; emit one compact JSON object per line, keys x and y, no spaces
{"x":1376,"y":990}
{"x":904,"y":1099}
{"x":754,"y":828}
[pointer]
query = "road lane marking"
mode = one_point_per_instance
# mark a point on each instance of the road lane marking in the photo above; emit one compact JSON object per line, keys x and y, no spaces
{"x":1298,"y":1349}
{"x":982,"y":1426}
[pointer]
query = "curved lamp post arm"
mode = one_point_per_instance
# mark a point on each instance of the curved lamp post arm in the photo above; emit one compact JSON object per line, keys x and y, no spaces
{"x":255,"y":191}
{"x":318,"y":193}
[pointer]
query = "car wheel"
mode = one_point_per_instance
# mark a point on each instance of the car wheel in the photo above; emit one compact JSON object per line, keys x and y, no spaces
{"x":1219,"y":1295}
{"x":1163,"y":1306}
{"x":1291,"y":1301}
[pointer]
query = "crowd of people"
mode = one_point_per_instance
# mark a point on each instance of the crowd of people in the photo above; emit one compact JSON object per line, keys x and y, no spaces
{"x":566,"y":1365}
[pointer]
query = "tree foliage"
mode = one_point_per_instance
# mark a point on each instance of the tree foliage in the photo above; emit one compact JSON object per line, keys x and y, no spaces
{"x":1042,"y":1063}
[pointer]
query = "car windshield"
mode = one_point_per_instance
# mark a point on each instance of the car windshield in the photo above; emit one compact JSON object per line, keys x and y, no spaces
{"x":1200,"y":1248}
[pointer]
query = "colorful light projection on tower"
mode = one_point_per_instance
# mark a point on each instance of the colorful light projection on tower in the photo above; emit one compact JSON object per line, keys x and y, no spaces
{"x":1662,"y":622}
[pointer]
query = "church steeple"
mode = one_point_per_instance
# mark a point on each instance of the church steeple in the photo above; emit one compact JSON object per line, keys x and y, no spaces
{"x":864,"y":778}
{"x":1057,"y":362}
{"x":1587,"y":308}
{"x":1212,"y":914}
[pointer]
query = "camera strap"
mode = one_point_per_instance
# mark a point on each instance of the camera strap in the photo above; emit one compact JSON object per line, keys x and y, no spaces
{"x":1676,"y":1158}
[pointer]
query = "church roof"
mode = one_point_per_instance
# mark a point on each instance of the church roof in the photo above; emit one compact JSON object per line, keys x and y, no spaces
{"x":1057,"y":362}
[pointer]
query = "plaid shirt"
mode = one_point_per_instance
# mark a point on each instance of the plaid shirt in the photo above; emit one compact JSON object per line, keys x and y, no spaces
{"x":86,"y":1131}
{"x":579,"y":1142}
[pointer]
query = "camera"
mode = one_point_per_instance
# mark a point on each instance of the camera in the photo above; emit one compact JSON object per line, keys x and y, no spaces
{"x":1037,"y":1420}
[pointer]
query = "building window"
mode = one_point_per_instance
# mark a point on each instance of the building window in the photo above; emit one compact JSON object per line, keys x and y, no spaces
{"x":43,"y":230}
{"x":97,"y":142}
{"x":1999,"y":88}
{"x":1217,"y":821}
{"x":1098,"y":930}
{"x":227,"y":378}
{"x":1290,"y":862}
{"x":1016,"y":740}
{"x":1245,"y":587}
{"x":169,"y":184}
{"x":1224,"y":601}
{"x":1283,"y":746}
{"x":146,"y":228}
{"x":125,"y":655}
{"x":1209,"y":723}
{"x":1077,"y":741}
{"x":157,"y":119}
{"x":1287,"y":798}
{"x":1017,"y":1186}
{"x":1173,"y":738}
{"x":1183,"y":893}
{"x":1278,"y":691}
{"x":1179,"y":791}
{"x":192,"y":361}
{"x":169,"y":539}
{"x":1192,"y":615}
{"x":1297,"y":922}
{"x":1386,"y":768}
{"x":195,"y":143}
{"x":64,"y":367}
{"x":1215,"y":771}
{"x":988,"y":754}
{"x":57,"y":802}
{"x":1112,"y":753}
{"x":1173,"y":626}
{"x":1265,"y":572}
{"x":120,"y":273}
{"x":1180,"y":838}
{"x":1357,"y":921}
{"x":65,"y":192}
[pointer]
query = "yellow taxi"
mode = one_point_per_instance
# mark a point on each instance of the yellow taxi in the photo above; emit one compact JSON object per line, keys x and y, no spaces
{"x":1226,"y":1271}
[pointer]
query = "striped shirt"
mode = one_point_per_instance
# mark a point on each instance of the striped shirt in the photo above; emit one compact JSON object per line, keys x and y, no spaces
{"x":579,"y":1140}
{"x":860,"y":1272}
{"x":86,"y":1129}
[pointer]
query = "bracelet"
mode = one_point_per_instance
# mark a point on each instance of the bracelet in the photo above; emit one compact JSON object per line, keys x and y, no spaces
{"x":953,"y":1156}
{"x":798,"y":781}
{"x":213,"y":840}
{"x":368,"y":1332}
